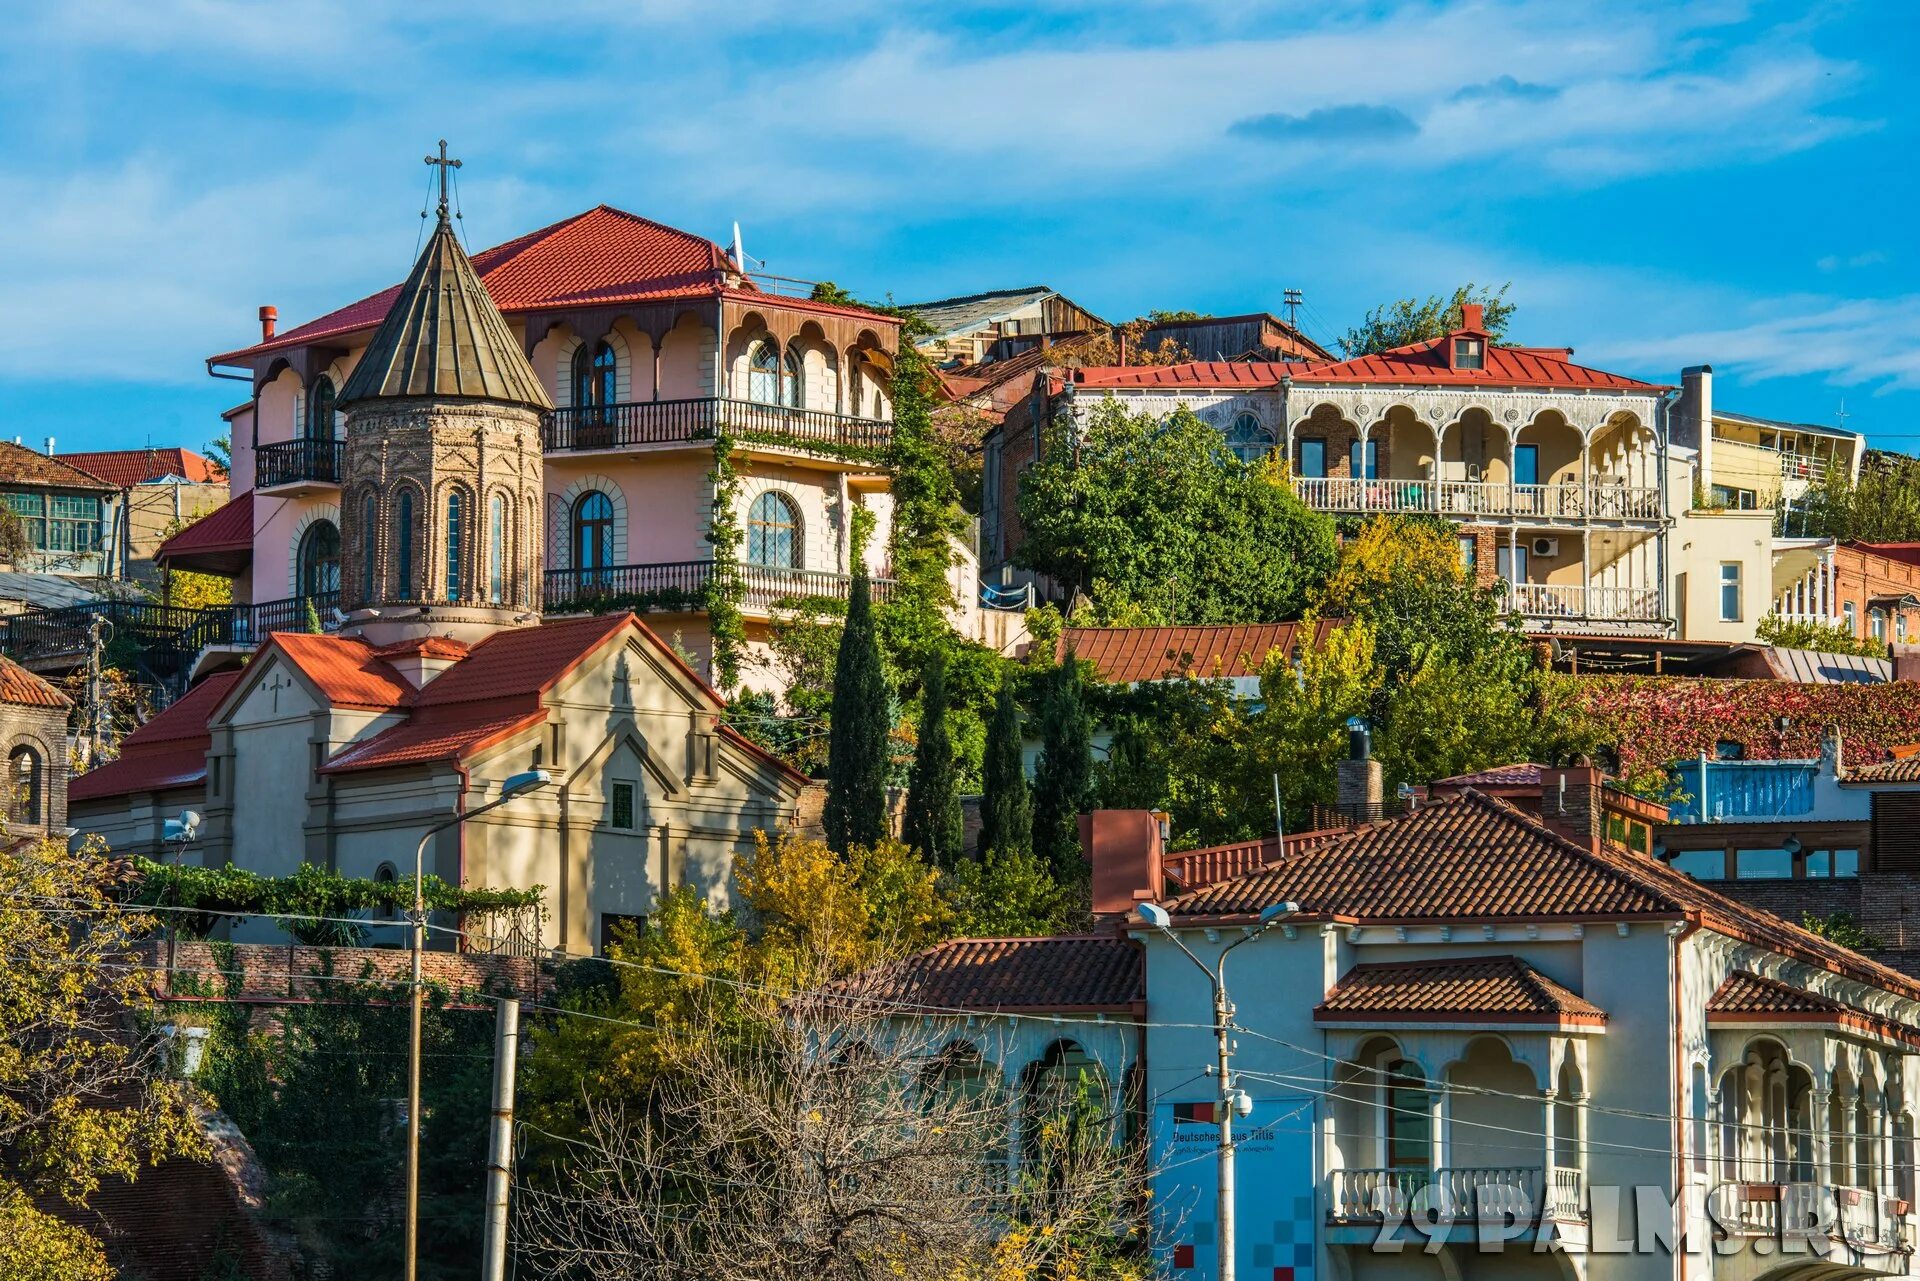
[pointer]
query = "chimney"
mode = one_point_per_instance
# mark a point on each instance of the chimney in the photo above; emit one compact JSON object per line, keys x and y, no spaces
{"x":269,"y":320}
{"x":1124,"y":848}
{"x":1359,"y":789}
{"x":49,"y":446}
{"x":1570,"y":802}
{"x":1473,"y":317}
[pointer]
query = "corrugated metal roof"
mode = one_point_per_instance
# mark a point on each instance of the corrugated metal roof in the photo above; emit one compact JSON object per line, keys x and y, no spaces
{"x":226,"y":529}
{"x":168,"y":751}
{"x":1504,"y":987}
{"x":950,"y":316}
{"x":443,"y":337}
{"x":1811,"y":667}
{"x":1426,"y":362}
{"x":1198,"y":374}
{"x":347,"y":672}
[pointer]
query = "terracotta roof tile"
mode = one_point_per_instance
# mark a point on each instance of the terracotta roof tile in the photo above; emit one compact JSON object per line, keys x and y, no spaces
{"x":1124,"y":654}
{"x":1906,"y":770}
{"x":125,"y":468}
{"x":168,"y":751}
{"x":22,"y":688}
{"x":1473,"y":987}
{"x":1744,"y":998}
{"x":22,"y":466}
{"x":1070,"y":972}
{"x":1520,"y":774}
{"x":1438,"y":863}
{"x":1426,"y":362}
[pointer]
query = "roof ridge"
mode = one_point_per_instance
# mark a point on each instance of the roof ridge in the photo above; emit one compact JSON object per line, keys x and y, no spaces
{"x":1614,"y":868}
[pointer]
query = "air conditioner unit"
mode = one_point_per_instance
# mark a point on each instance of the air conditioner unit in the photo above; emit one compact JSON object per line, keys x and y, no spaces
{"x":1546,"y":547}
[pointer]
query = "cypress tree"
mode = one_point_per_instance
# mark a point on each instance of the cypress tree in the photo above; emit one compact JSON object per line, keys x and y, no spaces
{"x":933,"y":822}
{"x":1063,"y":777}
{"x":857,"y":758}
{"x":1006,"y":806}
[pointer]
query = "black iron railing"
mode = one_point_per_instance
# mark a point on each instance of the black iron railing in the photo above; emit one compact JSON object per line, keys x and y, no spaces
{"x":662,"y":422}
{"x":683,"y":585}
{"x":294,"y":461}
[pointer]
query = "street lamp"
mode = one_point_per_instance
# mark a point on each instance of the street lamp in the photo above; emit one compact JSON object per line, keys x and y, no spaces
{"x":1231,"y":1099}
{"x":517,"y":785}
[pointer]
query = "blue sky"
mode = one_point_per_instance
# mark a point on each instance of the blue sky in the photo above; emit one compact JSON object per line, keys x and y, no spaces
{"x":1662,"y":183}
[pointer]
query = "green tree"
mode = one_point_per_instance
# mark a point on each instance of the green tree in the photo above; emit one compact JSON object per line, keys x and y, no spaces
{"x":1406,"y":321}
{"x":80,"y":1100}
{"x":1159,"y":522}
{"x":1882,"y":506}
{"x":1063,"y":776}
{"x":220,"y":450}
{"x":1006,"y":803}
{"x":1827,"y":638}
{"x":858,"y":758}
{"x":1008,"y":894}
{"x":933,"y":823}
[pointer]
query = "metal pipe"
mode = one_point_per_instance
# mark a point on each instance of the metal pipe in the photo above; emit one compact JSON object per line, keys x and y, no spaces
{"x":506,"y":1042}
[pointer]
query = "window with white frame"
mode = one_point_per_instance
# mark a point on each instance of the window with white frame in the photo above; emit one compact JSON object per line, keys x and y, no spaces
{"x":1729,"y":591}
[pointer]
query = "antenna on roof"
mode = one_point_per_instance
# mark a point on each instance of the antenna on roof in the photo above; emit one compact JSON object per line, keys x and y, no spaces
{"x":1841,"y":415}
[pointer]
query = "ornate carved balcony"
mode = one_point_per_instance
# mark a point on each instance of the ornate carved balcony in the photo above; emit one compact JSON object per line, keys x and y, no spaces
{"x":1603,"y":498}
{"x":1464,"y":1194}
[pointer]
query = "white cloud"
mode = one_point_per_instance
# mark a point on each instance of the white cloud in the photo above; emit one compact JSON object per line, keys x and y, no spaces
{"x":1869,"y":342}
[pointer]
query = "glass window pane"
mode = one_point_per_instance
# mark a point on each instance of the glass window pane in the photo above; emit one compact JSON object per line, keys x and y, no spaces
{"x":1763,"y":865}
{"x":1313,"y":458}
{"x":622,"y":817}
{"x":1701,"y":865}
{"x":1526,"y":465}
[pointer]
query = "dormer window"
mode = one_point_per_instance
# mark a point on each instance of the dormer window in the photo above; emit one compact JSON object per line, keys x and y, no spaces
{"x":1469,"y":353}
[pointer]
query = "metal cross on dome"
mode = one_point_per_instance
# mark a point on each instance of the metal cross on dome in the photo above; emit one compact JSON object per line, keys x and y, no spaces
{"x":445,"y":165}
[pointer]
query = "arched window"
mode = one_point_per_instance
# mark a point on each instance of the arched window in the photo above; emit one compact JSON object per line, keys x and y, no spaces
{"x":403,"y":547}
{"x":319,"y":425}
{"x":1249,"y":441}
{"x":773,"y":531}
{"x":456,"y":542}
{"x":593,"y":533}
{"x":497,"y":549}
{"x":595,"y":371}
{"x":386,"y":877}
{"x":1066,"y":1096}
{"x":1409,"y":1118}
{"x":319,"y":560}
{"x":26,"y":772}
{"x":370,"y":538}
{"x":764,"y":370}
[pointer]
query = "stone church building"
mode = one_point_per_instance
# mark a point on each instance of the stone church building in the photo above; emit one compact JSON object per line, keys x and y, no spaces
{"x":441,"y":679}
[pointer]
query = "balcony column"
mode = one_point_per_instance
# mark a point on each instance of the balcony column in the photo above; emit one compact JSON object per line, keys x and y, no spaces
{"x":656,"y":342}
{"x":1580,"y":1101}
{"x":1586,"y":478}
{"x":1841,"y":1171}
{"x":1548,"y":1097}
{"x":1586,"y":571}
{"x":1437,"y":1123}
{"x":1821,"y":1154}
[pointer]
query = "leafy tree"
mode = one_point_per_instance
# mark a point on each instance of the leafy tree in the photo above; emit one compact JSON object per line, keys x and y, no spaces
{"x":1160,"y":518}
{"x":1883,"y":506}
{"x":804,"y":905}
{"x":1827,"y":638}
{"x":185,"y":589}
{"x":15,"y":544}
{"x":858,"y":758}
{"x":1411,"y":320}
{"x":83,"y":1095}
{"x":1842,"y":928}
{"x":1005,"y":894}
{"x":933,"y":823}
{"x":1006,"y":803}
{"x":1301,"y":734}
{"x":1063,"y":776}
{"x":220,"y":450}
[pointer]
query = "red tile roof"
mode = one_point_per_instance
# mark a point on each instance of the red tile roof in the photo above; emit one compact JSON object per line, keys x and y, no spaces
{"x":125,"y":468}
{"x":22,"y":688}
{"x":168,"y":751}
{"x":222,"y":533}
{"x":1426,"y":362}
{"x":1521,"y":774}
{"x":1438,"y":863}
{"x":348,"y":673}
{"x":22,"y":466}
{"x":1064,"y":973}
{"x":1469,"y":988}
{"x":1124,"y":654}
{"x":1902,"y":770}
{"x":1749,"y":998}
{"x":602,"y":256}
{"x":1200,"y":374}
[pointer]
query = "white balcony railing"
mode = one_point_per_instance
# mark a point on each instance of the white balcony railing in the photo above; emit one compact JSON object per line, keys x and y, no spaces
{"x":1602,"y":498}
{"x":1554,"y":600}
{"x":1859,"y":1216}
{"x":1460,"y":1193}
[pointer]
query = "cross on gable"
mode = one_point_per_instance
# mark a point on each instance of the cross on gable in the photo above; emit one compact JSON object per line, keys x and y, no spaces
{"x":274,"y":686}
{"x":445,"y":165}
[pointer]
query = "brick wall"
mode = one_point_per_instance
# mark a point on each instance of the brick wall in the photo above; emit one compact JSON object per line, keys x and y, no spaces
{"x":1860,"y":575}
{"x":272,"y":974}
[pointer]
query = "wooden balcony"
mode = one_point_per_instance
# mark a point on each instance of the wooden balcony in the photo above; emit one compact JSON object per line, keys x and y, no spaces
{"x":1603,"y":499}
{"x":1573,"y":603}
{"x":296,"y":467}
{"x":601,"y":428}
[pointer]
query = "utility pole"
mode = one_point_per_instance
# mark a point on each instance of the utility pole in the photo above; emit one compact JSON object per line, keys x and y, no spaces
{"x":506,"y":1046}
{"x":1231,"y":1098}
{"x":513,"y":787}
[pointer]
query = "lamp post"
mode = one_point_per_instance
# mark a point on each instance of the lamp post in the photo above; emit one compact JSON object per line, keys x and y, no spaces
{"x":1231,"y":1099}
{"x":517,"y":785}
